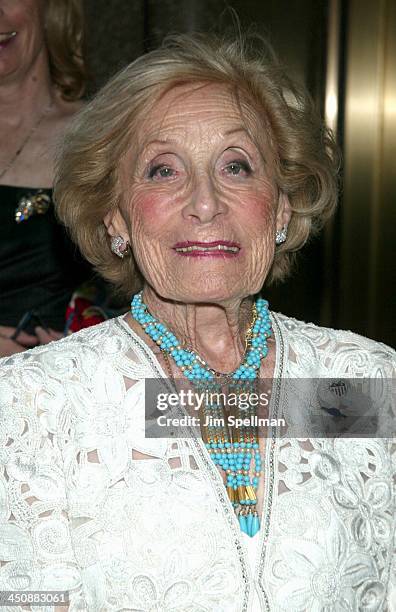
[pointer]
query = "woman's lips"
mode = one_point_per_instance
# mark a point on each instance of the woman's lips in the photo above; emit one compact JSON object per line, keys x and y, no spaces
{"x":218,"y":248}
{"x":6,"y":38}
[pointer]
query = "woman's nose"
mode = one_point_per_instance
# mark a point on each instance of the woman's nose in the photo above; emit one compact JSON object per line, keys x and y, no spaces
{"x":204,"y":203}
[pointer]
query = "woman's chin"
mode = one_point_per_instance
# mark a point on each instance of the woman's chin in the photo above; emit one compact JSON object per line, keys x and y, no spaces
{"x":208,"y":291}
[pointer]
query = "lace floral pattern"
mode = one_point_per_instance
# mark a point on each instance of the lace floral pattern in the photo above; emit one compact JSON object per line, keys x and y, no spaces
{"x":87,"y":504}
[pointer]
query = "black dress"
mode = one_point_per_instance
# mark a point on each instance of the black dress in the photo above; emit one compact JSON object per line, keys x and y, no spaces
{"x":39,"y":265}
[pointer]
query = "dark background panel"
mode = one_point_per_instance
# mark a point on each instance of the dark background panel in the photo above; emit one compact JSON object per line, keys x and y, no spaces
{"x":115,"y":33}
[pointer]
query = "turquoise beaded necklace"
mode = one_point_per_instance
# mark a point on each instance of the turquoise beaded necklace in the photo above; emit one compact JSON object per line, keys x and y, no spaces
{"x":231,"y":451}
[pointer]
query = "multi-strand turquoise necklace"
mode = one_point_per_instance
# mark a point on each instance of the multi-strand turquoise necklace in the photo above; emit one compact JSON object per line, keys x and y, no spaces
{"x":232,"y":450}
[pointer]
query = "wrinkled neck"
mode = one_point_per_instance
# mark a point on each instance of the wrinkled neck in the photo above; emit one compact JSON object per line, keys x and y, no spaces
{"x":216,"y":332}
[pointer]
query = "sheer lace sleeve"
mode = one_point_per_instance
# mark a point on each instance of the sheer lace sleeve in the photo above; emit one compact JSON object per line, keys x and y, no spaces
{"x":392,"y":578}
{"x":35,"y":544}
{"x":339,"y":493}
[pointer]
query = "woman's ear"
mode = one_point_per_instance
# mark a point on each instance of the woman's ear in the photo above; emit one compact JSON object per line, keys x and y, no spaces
{"x":115,"y":225}
{"x":284,"y":211}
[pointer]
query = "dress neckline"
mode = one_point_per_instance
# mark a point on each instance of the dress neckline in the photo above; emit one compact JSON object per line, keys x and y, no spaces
{"x":253,"y":558}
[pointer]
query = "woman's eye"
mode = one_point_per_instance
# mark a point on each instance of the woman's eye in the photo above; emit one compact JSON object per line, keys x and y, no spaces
{"x":161,"y":172}
{"x":238,"y":168}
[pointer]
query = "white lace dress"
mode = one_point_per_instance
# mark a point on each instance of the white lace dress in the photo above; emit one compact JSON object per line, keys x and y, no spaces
{"x":125,"y":523}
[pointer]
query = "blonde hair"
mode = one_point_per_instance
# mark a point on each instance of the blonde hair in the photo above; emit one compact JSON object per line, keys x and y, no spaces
{"x":64,"y":23}
{"x":303,"y":150}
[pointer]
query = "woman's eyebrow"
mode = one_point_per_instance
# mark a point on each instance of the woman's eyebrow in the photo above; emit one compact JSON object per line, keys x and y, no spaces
{"x":236,"y":130}
{"x":174,"y":141}
{"x":155,"y":143}
{"x":146,"y":149}
{"x":170,"y":140}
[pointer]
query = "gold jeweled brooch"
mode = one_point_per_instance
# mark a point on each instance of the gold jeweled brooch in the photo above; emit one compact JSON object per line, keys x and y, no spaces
{"x":30,"y":205}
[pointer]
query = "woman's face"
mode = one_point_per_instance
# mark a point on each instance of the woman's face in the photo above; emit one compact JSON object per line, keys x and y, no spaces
{"x":21,"y":36}
{"x":200,"y":208}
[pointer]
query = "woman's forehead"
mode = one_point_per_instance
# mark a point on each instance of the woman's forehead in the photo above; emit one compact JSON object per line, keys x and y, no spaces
{"x":190,"y":105}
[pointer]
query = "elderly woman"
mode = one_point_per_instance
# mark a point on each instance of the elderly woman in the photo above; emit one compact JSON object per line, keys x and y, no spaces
{"x":189,"y":182}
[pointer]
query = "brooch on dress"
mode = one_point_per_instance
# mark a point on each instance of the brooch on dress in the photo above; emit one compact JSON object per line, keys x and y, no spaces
{"x":30,"y":205}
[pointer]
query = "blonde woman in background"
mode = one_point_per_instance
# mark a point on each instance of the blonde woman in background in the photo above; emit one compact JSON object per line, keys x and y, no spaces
{"x":42,"y":80}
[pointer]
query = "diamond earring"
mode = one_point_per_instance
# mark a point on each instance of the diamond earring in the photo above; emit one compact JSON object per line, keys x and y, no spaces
{"x":281,"y":235}
{"x":119,"y":246}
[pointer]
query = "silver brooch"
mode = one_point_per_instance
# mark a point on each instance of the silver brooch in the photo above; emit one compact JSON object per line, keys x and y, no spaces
{"x":30,"y":205}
